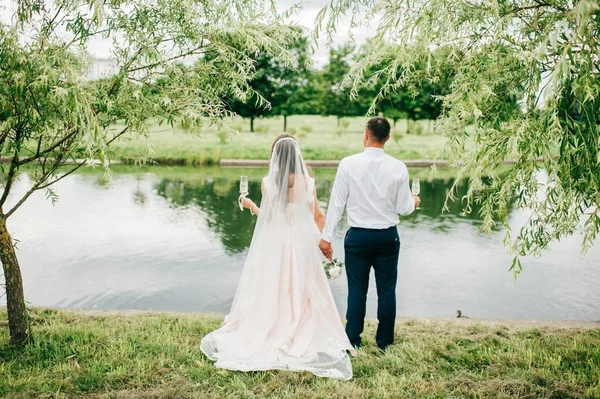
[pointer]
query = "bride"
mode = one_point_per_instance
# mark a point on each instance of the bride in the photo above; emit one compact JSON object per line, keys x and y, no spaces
{"x":283,"y":315}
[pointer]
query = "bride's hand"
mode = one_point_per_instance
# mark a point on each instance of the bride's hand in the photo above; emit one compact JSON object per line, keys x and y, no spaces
{"x":247,"y":203}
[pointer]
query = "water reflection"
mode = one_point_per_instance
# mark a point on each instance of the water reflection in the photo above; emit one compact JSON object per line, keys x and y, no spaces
{"x":217,"y":199}
{"x":175,"y":239}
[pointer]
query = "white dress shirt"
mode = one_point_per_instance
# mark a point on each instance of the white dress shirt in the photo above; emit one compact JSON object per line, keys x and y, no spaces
{"x":373,"y":187}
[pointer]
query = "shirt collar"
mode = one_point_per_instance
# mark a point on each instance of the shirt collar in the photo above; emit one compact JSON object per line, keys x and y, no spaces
{"x":374,"y":150}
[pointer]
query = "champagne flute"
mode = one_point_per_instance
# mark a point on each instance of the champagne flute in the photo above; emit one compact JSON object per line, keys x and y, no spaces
{"x":244,"y":185}
{"x":416,"y":187}
{"x":243,"y":190}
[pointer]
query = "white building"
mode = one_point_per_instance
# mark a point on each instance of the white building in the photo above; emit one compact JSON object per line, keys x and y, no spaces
{"x":102,"y":67}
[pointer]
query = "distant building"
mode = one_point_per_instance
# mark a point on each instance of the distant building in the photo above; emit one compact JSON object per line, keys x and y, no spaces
{"x":102,"y":67}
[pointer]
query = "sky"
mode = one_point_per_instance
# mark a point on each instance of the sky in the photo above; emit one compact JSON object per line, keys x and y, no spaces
{"x":305,"y":17}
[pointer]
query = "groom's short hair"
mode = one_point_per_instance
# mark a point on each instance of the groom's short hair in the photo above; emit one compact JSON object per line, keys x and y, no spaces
{"x":379,"y":127}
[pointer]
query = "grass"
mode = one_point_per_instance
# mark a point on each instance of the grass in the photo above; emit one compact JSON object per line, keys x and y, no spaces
{"x":324,"y":141}
{"x":148,"y":355}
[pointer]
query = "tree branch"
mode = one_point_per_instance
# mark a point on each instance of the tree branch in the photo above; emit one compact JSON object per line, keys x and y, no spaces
{"x":539,"y":4}
{"x":122,"y":132}
{"x":57,"y":179}
{"x":4,"y":136}
{"x":14,"y":165}
{"x":51,"y":22}
{"x":545,"y":4}
{"x":193,"y":51}
{"x":35,"y":103}
{"x":9,"y":178}
{"x":40,"y":184}
{"x":39,"y":145}
{"x":49,"y":149}
{"x":125,"y":66}
{"x":79,"y":38}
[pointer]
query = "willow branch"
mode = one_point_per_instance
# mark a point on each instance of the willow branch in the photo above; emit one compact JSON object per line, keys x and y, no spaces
{"x":4,"y":136}
{"x":38,"y":186}
{"x":9,"y":179}
{"x":58,"y":179}
{"x":122,"y":132}
{"x":49,"y":149}
{"x":14,"y":164}
{"x":191,"y":52}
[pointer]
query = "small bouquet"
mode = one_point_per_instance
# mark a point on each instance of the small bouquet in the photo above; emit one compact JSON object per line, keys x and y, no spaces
{"x":333,"y":269}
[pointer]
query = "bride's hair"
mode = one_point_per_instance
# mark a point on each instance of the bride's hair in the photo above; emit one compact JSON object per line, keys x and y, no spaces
{"x":285,"y":144}
{"x":287,"y":136}
{"x":281,"y":136}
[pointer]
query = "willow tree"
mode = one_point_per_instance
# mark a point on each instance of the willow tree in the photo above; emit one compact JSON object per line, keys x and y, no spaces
{"x":546,"y":54}
{"x":53,"y":119}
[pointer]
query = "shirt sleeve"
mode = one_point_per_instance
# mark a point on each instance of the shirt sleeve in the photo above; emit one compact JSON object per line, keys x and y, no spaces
{"x":405,"y":205}
{"x":337,"y":202}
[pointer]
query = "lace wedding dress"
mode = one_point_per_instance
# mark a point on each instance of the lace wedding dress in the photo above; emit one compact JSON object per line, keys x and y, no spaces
{"x":283,"y":315}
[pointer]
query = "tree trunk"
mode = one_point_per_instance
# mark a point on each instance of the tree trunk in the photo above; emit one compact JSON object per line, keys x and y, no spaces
{"x":395,"y":120}
{"x":339,"y":118}
{"x":18,"y":320}
{"x":252,"y":124}
{"x":408,"y":126}
{"x":284,"y":123}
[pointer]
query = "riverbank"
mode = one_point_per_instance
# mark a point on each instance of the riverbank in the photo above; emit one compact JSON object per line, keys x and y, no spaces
{"x":97,"y":354}
{"x":320,"y":139}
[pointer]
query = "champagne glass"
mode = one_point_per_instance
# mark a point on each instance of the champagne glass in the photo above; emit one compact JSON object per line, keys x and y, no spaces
{"x":416,"y":187}
{"x":244,"y":185}
{"x":243,"y":190}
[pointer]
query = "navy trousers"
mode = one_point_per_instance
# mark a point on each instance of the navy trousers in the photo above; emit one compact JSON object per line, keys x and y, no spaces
{"x":366,"y":248}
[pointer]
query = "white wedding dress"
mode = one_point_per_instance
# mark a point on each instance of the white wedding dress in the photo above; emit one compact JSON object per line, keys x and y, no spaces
{"x":283,"y":315}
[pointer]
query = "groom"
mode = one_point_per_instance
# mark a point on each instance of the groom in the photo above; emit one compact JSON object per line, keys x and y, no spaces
{"x":374,"y":189}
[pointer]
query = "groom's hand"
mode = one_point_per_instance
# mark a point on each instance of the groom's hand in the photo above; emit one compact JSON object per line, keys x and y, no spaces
{"x":417,"y":201}
{"x":326,"y":249}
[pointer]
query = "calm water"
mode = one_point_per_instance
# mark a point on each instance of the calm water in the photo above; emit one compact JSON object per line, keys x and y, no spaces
{"x":174,"y":239}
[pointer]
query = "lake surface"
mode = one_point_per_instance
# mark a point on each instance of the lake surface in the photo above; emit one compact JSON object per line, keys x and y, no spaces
{"x":174,"y":239}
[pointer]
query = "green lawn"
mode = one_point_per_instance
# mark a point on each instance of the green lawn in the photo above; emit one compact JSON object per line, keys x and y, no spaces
{"x":108,"y":355}
{"x":322,"y":142}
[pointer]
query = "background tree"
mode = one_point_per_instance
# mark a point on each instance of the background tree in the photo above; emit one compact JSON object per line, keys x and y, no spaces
{"x":292,"y":83}
{"x":52,"y":115}
{"x":412,"y":101}
{"x":306,"y":98}
{"x":336,"y":98}
{"x":546,"y":55}
{"x":274,"y":82}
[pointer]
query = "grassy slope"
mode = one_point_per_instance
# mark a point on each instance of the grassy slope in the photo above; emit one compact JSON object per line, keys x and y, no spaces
{"x":175,"y":146}
{"x":157,"y":356}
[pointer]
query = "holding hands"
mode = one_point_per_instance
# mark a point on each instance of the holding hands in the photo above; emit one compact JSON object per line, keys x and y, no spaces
{"x":326,"y":249}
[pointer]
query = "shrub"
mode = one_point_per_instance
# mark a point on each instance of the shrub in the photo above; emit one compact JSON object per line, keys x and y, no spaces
{"x":264,"y":129}
{"x":418,"y":128}
{"x":345,"y":123}
{"x":222,"y":134}
{"x":396,"y":135}
{"x":306,"y":128}
{"x":237,"y":125}
{"x":185,"y":124}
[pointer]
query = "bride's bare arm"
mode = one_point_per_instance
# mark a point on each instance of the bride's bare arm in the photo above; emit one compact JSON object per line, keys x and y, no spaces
{"x":319,"y":214}
{"x":249,"y":204}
